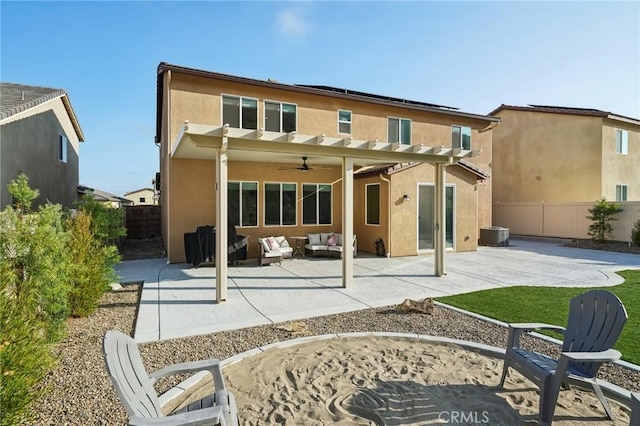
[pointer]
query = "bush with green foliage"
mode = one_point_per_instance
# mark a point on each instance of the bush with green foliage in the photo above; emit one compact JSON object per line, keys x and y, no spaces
{"x":602,"y":215}
{"x":51,"y":266}
{"x":635,"y":234}
{"x":91,"y":268}
{"x":33,"y":304}
{"x":107,"y":223}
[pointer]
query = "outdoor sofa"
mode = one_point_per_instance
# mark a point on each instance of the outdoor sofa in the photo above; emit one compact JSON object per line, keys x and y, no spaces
{"x":327,"y":242}
{"x":274,"y":249}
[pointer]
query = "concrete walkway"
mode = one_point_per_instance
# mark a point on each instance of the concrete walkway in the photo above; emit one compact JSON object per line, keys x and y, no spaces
{"x":179,"y":301}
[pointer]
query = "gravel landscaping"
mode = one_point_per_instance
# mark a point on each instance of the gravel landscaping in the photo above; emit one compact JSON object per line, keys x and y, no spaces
{"x":80,"y":392}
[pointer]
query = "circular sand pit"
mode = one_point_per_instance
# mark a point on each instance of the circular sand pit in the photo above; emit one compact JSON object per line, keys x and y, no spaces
{"x":393,"y":380}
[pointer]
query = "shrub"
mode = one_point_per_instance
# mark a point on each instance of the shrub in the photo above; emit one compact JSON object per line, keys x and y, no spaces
{"x":91,"y":269}
{"x":33,"y":303}
{"x":21,"y":193}
{"x":635,"y":234}
{"x":602,"y":215}
{"x":106,"y":222}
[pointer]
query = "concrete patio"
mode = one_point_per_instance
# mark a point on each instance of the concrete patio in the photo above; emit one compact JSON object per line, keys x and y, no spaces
{"x":179,"y":301}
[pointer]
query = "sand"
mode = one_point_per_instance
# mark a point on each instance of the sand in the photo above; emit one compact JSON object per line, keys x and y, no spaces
{"x":393,"y":381}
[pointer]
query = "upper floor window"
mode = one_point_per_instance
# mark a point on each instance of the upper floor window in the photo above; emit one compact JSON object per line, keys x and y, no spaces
{"x":461,"y":137}
{"x":399,"y":130}
{"x":280,"y":204}
{"x":63,"y":142}
{"x":242,"y":203}
{"x":621,"y":192}
{"x":373,"y":204}
{"x":142,"y":199}
{"x":280,"y":117}
{"x":622,"y":141}
{"x":316,"y":204}
{"x":238,"y":112}
{"x":344,"y":121}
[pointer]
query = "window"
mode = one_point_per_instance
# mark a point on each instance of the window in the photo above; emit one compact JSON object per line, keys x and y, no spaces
{"x":279,"y":117}
{"x":243,"y":203}
{"x":622,"y":141}
{"x":373,"y":204}
{"x":461,"y":137}
{"x":62,"y":148}
{"x":142,"y":199}
{"x":279,"y":204}
{"x":621,"y":192}
{"x":344,"y":121}
{"x":316,"y":204}
{"x":399,"y":130}
{"x":241,"y":113}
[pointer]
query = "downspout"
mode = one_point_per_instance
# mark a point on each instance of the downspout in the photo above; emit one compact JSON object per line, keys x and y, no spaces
{"x":167,"y":153}
{"x":388,"y":215}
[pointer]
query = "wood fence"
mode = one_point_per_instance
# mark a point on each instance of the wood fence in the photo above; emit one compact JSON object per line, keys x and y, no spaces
{"x":142,"y":222}
{"x":561,"y":220}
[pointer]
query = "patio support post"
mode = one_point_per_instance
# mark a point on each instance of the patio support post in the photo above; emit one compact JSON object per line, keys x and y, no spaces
{"x":347,"y":221}
{"x":221,"y":223}
{"x":439,"y":225}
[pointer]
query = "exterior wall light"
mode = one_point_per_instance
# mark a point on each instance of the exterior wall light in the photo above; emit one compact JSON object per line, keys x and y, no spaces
{"x":406,"y":197}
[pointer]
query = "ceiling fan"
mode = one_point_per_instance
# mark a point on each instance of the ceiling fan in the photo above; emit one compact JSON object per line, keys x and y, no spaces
{"x":304,"y":167}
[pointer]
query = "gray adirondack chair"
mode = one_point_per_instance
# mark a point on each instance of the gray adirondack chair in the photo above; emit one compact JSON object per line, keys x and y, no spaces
{"x":137,"y":394}
{"x":595,"y":321}
{"x":635,"y":410}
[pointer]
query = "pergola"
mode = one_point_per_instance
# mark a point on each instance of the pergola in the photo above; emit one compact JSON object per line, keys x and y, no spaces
{"x":223,"y":143}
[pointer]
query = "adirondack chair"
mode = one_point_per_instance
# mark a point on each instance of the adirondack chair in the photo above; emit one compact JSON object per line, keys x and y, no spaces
{"x":595,"y":321}
{"x":635,"y":410}
{"x":137,"y":394}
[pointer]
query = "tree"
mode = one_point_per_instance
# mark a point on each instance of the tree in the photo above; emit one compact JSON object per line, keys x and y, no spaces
{"x":602,"y":215}
{"x":635,"y":234}
{"x":21,"y":193}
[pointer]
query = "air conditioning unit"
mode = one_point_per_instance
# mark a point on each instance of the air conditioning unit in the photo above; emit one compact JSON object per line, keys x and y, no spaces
{"x":495,"y":236}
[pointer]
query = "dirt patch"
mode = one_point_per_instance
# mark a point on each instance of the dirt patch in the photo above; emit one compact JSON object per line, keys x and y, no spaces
{"x":151,"y":248}
{"x":616,"y":246}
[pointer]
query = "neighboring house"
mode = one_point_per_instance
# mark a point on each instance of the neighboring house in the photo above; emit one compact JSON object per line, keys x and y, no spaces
{"x":40,"y":136}
{"x":142,"y":197}
{"x":108,"y":198}
{"x":374,"y":164}
{"x":557,"y":154}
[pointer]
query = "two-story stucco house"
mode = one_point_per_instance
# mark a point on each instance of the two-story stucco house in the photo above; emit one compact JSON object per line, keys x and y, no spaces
{"x":142,"y":197}
{"x":558,"y":154}
{"x":292,"y":160}
{"x":39,"y":135}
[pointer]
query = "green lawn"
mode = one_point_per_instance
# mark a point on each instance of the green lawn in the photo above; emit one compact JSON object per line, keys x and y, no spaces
{"x":551,"y":305}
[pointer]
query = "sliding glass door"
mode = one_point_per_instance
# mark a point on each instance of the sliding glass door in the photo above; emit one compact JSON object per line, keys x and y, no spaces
{"x":427,"y":214}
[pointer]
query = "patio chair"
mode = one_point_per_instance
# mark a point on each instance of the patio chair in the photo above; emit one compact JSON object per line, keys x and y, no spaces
{"x":595,"y":321}
{"x":143,"y":405}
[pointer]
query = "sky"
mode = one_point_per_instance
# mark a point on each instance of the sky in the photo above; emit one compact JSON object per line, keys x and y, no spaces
{"x":471,"y":55}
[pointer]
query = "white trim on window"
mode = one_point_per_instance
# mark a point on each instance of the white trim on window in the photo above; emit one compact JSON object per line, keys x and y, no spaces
{"x":241,"y":182}
{"x":264,"y":113}
{"x":240,"y":98}
{"x":399,"y":135}
{"x":63,"y":147}
{"x":345,"y":122}
{"x":622,"y":141}
{"x":264,"y":205}
{"x":317,"y":196}
{"x":621,"y":192}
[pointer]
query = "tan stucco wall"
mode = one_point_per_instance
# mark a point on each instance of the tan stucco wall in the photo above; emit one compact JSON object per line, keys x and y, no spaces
{"x":146,"y":193}
{"x":546,"y":157}
{"x":189,"y":195}
{"x":193,"y":201}
{"x":619,"y":169}
{"x":367,"y":234}
{"x":404,"y":233}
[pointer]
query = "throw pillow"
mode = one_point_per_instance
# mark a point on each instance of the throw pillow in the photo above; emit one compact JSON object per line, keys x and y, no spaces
{"x":273,"y":244}
{"x":282,"y":242}
{"x":314,"y":239}
{"x":265,"y":245}
{"x":332,"y":240}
